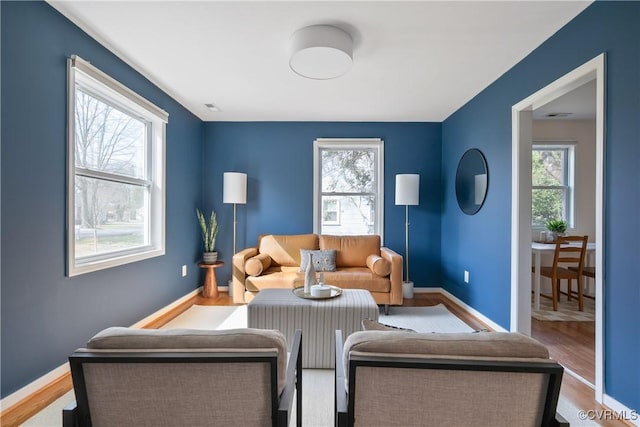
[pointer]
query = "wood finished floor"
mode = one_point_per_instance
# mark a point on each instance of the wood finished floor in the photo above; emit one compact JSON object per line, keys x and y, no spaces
{"x":564,"y":341}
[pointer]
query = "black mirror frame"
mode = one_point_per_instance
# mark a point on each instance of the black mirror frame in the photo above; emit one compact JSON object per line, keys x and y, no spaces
{"x":471,"y":163}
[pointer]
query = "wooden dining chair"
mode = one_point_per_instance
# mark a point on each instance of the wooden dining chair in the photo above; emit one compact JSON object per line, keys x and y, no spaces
{"x":568,"y":263}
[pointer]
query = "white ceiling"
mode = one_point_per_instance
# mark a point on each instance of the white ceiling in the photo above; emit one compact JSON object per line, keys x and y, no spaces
{"x":579,"y":104}
{"x":413,"y":61}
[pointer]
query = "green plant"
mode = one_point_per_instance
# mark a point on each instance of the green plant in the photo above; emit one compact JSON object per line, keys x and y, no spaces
{"x":209,"y":230}
{"x":556,"y":225}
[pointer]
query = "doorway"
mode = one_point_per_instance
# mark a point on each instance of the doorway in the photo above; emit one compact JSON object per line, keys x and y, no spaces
{"x":521,"y":233}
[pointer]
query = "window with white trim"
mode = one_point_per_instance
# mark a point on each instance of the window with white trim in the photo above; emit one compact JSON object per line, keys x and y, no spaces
{"x":348,"y":186}
{"x":116,"y":182}
{"x":552,"y":179}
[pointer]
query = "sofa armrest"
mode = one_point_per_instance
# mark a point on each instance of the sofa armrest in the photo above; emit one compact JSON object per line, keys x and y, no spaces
{"x":238,"y":273}
{"x":396,"y":274}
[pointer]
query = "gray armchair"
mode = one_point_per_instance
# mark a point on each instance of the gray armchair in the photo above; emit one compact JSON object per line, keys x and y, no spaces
{"x":146,"y":377}
{"x":390,"y":378}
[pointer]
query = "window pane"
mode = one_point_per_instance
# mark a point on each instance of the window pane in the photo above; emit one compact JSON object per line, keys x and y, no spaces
{"x":106,"y":139}
{"x":109,"y":216}
{"x":330,"y":211}
{"x":348,"y":171}
{"x":548,"y":167}
{"x":547,"y":204}
{"x":356,"y":215}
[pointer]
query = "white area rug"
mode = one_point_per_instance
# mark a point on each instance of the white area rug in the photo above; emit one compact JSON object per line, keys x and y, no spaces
{"x":318,"y":384}
{"x":210,"y":317}
{"x":422,"y":319}
{"x":425,"y":319}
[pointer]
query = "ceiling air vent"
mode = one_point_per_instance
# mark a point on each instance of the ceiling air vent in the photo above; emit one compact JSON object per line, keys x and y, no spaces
{"x":558,"y":115}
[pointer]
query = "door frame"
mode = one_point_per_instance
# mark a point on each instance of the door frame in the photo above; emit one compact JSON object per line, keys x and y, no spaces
{"x":522,"y":136}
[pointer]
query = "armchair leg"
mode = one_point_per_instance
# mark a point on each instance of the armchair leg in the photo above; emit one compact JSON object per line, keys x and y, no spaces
{"x":386,"y":309}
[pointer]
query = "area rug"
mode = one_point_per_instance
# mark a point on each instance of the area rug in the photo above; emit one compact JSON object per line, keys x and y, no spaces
{"x":425,"y":319}
{"x":422,"y":319}
{"x":567,"y":310}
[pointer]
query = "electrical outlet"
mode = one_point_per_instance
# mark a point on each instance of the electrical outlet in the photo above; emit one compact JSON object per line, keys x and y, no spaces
{"x":184,"y":271}
{"x":466,"y":276}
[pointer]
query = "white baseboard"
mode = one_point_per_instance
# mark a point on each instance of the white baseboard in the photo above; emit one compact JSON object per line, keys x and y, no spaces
{"x":167,"y":308}
{"x":61,"y":370}
{"x":34,"y":386}
{"x":464,"y":305}
{"x":629,"y":415}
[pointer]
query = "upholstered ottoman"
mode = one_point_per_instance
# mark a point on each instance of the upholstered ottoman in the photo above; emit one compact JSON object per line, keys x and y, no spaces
{"x":318,"y":319}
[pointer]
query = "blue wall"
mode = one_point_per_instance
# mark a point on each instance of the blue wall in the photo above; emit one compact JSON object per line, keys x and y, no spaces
{"x":278,"y":158}
{"x":46,"y":315}
{"x":482,"y":242}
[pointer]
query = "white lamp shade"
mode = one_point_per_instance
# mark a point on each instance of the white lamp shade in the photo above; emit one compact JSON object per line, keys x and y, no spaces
{"x":321,"y":52}
{"x":407,"y":189}
{"x":480,"y":187}
{"x":234,"y":188}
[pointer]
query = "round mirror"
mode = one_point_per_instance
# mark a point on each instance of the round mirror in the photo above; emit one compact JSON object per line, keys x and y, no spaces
{"x":472,"y":179}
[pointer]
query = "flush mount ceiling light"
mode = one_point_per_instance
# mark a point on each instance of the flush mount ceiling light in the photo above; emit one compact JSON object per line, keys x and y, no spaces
{"x":321,"y":52}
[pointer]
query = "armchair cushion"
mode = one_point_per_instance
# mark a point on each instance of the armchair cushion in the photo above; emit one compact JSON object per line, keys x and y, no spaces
{"x":379,"y":265}
{"x":323,"y":260}
{"x":505,"y":345}
{"x":231,"y":340}
{"x":257,"y":264}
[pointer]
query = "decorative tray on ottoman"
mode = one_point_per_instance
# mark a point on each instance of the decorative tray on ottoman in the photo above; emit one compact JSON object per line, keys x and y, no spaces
{"x":335,"y":292}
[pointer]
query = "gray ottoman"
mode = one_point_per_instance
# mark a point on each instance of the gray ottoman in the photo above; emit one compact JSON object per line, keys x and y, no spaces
{"x":318,"y":319}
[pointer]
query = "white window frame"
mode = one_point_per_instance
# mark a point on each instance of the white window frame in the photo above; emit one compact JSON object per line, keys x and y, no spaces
{"x":569,"y":171}
{"x":375,"y":144}
{"x":81,"y":73}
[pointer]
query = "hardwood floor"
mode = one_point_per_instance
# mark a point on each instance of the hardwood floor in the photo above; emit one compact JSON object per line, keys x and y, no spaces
{"x":570,"y":343}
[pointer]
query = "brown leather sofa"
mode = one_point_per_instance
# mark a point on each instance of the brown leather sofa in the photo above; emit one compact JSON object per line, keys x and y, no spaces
{"x":360,"y":263}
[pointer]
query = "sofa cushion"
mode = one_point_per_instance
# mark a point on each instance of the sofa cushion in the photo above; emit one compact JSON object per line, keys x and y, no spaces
{"x":118,"y":338}
{"x":351,"y":251}
{"x":285,"y":249}
{"x":322,"y":260}
{"x":275,"y":277}
{"x":379,"y":265}
{"x":257,"y":264}
{"x":357,"y":278}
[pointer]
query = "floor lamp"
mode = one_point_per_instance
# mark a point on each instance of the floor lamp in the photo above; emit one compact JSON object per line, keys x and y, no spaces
{"x":407,"y":193}
{"x":234,"y":191}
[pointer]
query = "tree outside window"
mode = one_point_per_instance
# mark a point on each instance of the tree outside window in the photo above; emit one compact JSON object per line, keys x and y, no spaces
{"x":348,"y":187}
{"x":115,"y":172}
{"x":552,"y":182}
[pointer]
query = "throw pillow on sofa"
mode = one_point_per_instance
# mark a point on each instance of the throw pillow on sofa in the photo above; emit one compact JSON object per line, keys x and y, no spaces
{"x":323,"y":260}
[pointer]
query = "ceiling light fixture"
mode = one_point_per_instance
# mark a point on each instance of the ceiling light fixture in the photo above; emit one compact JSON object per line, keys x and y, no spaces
{"x":321,"y":52}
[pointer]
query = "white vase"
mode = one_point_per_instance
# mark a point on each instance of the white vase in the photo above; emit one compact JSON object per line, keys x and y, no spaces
{"x":309,"y":276}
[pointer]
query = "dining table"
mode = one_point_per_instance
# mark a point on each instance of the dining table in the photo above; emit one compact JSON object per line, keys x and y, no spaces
{"x":538,"y":249}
